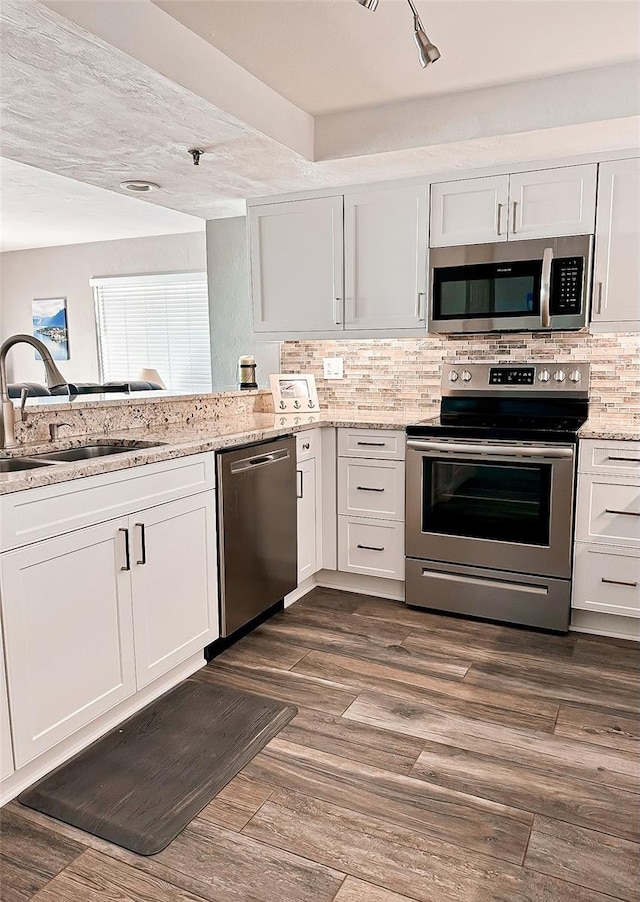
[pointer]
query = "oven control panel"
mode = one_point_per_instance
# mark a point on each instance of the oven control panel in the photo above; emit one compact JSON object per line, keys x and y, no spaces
{"x":495,"y":379}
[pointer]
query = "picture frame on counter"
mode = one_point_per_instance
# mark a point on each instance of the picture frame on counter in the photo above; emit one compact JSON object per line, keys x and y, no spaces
{"x":294,"y":393}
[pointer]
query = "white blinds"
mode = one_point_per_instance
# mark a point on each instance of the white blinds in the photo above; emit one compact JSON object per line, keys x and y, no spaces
{"x":159,"y":322}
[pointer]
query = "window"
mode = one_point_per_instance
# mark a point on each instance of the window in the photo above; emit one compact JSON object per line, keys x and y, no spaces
{"x":159,"y":322}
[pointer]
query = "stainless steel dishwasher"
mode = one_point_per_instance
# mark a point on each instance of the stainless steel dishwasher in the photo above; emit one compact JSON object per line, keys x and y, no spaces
{"x":257,"y":528}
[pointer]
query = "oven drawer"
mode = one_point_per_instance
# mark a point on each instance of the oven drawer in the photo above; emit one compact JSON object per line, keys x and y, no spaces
{"x":606,"y":580}
{"x":492,"y":594}
{"x":377,"y":443}
{"x":610,"y":458}
{"x":372,"y":547}
{"x":608,"y":511}
{"x":371,"y":488}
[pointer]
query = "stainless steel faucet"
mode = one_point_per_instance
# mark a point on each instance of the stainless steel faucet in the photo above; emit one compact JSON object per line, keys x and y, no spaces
{"x":54,"y":379}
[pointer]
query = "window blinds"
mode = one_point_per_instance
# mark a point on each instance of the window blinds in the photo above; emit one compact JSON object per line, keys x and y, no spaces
{"x":156,"y":321}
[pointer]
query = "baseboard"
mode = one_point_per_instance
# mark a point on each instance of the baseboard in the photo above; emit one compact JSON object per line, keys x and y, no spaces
{"x":605,"y":624}
{"x":45,"y":763}
{"x":365,"y":585}
{"x":303,"y":589}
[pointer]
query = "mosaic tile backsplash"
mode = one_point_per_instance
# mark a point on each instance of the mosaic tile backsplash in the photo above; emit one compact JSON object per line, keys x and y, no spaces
{"x":383,"y":373}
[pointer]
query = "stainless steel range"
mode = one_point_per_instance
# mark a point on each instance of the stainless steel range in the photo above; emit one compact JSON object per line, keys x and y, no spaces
{"x":490,"y":493}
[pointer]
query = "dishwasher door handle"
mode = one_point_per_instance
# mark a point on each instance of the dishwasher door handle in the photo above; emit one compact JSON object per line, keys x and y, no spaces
{"x":259,"y":460}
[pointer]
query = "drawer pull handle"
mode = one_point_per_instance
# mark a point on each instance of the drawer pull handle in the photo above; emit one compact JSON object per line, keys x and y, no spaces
{"x":619,"y":582}
{"x":631,"y":460}
{"x":372,"y":444}
{"x":609,"y":510}
{"x":366,"y":488}
{"x":370,"y":548}
{"x":305,"y":446}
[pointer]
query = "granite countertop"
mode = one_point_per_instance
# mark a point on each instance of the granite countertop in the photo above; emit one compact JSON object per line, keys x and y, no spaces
{"x":612,"y":427}
{"x":180,"y":441}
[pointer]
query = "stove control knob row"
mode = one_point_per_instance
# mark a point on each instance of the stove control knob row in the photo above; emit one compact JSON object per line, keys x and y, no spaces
{"x":466,"y":376}
{"x":453,"y":376}
{"x":575,"y":375}
{"x":544,"y":376}
{"x":560,"y":375}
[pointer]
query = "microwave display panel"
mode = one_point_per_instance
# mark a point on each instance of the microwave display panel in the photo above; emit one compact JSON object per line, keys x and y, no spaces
{"x":487,"y":290}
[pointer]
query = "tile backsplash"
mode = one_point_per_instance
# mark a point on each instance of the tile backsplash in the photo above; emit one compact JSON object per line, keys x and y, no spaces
{"x":383,"y":373}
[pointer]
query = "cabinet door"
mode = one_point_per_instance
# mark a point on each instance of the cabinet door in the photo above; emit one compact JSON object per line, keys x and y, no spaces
{"x":385,"y":240}
{"x":296,"y":254}
{"x":616,"y":303}
{"x":552,"y":202}
{"x":68,"y":633}
{"x":470,"y":211}
{"x":6,"y":746}
{"x":175,"y":596}
{"x":307,"y":531}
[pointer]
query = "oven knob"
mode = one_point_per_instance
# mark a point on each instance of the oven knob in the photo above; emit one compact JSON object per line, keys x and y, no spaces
{"x":466,"y":376}
{"x":453,"y":376}
{"x":575,"y":375}
{"x":559,"y":375}
{"x":544,"y":376}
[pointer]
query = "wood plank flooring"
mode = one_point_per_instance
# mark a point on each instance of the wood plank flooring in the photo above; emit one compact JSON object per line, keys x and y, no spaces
{"x":433,"y":759}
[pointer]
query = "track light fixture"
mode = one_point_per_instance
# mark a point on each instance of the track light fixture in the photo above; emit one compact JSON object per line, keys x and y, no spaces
{"x":427,"y":52}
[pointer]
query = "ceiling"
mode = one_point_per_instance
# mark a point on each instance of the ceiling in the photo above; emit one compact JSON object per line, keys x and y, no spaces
{"x":289,"y":96}
{"x":330,"y":55}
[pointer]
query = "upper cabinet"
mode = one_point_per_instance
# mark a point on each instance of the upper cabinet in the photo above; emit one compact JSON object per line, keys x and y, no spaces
{"x":616,"y":293}
{"x":543,"y":204}
{"x":335,"y":264}
{"x":296,"y":252}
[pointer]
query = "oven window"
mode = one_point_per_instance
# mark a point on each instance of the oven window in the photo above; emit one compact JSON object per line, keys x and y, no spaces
{"x":487,"y":290}
{"x":507,"y":502}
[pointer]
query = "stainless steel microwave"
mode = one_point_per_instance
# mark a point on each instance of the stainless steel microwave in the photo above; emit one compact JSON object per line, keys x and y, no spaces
{"x":522,"y":286}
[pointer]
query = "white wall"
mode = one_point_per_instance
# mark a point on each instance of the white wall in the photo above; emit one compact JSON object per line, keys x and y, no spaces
{"x":65,"y":272}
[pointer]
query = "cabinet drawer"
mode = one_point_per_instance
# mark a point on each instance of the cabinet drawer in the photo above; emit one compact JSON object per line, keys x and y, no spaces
{"x":372,"y":547}
{"x":306,"y":444}
{"x":42,"y":513}
{"x":610,"y":458}
{"x":376,"y":443}
{"x":370,"y":488}
{"x":606,"y":580}
{"x":608,"y":511}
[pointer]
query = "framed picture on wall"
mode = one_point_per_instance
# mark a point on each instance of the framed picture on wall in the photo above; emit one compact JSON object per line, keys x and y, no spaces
{"x":294,"y":393}
{"x":49,"y":316}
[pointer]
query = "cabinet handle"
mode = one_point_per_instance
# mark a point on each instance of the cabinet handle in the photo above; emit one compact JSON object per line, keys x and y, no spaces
{"x":631,"y":460}
{"x":127,"y":556}
{"x":421,"y":306}
{"x":515,"y":217}
{"x":609,"y":510}
{"x":305,"y":446}
{"x":366,"y":488}
{"x":370,"y":548}
{"x":500,"y":209}
{"x":143,"y":545}
{"x":372,"y":444}
{"x":300,"y":494}
{"x":337,"y":313}
{"x":618,"y":582}
{"x":599,"y":304}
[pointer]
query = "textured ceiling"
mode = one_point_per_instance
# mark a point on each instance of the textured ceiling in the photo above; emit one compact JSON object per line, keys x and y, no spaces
{"x":330,"y":55}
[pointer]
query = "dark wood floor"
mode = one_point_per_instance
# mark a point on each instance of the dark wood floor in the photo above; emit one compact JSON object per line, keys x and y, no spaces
{"x":432,"y":759}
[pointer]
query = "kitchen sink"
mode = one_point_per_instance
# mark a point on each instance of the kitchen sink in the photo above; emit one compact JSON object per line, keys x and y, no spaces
{"x":15,"y":464}
{"x":88,"y":452}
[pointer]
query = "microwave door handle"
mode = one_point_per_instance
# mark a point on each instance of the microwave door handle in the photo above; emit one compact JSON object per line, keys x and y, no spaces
{"x":545,"y":288}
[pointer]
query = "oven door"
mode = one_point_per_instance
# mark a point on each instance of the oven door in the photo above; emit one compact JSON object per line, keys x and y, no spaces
{"x":491,"y":504}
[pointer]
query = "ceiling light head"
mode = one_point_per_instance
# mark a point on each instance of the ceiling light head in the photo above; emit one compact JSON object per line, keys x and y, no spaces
{"x":369,"y":4}
{"x":427,"y":52}
{"x":138,"y":187}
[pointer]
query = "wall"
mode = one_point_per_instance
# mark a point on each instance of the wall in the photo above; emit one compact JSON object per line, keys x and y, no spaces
{"x":406,"y":371}
{"x":65,"y":272}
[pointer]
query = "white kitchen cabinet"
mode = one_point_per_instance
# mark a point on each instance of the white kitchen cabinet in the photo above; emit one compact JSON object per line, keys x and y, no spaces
{"x":6,"y":745}
{"x":296,"y":252}
{"x":173,"y":574}
{"x":385,"y":259}
{"x":66,"y":605}
{"x":371,"y":547}
{"x":307,"y":527}
{"x":616,"y":293}
{"x":545,"y":203}
{"x":371,"y":488}
{"x":607,"y":580}
{"x":469,"y":211}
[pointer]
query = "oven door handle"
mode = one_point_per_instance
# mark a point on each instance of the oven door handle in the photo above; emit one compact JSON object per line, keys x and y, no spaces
{"x":459,"y":448}
{"x":545,"y":288}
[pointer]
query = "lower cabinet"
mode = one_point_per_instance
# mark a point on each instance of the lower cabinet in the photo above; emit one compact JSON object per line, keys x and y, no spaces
{"x":6,"y":745}
{"x":68,"y":633}
{"x":371,"y":547}
{"x":307,"y":526}
{"x":93,"y":616}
